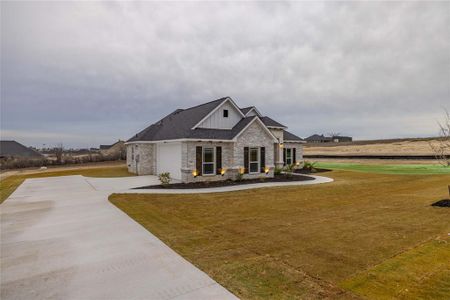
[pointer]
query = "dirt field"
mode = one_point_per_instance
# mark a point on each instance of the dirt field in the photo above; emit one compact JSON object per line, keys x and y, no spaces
{"x":380,"y":147}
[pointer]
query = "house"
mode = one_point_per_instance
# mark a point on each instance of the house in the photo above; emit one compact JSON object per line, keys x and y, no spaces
{"x":213,"y":141}
{"x":13,"y":149}
{"x":315,"y":138}
{"x":116,"y":150}
{"x":342,"y":139}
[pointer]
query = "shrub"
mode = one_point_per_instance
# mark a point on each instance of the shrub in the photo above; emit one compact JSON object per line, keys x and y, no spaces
{"x":309,"y":166}
{"x":278,"y":171}
{"x":164,"y":178}
{"x":239,"y":176}
{"x":288,"y":170}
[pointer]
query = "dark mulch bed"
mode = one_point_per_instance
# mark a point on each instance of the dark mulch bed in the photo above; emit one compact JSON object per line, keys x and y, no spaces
{"x":442,"y":203}
{"x":316,"y":170}
{"x":202,"y":185}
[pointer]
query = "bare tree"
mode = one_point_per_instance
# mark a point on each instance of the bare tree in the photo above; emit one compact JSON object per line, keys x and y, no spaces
{"x":59,"y":150}
{"x":441,"y":147}
{"x":334,"y":133}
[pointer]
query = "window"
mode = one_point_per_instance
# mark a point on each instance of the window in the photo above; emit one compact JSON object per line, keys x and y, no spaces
{"x":208,"y":161}
{"x":254,"y":160}
{"x":225,"y":113}
{"x":288,"y":156}
{"x":132,"y":153}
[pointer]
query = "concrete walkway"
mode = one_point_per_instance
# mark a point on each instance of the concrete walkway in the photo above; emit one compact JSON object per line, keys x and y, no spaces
{"x":62,"y":239}
{"x":317,"y":180}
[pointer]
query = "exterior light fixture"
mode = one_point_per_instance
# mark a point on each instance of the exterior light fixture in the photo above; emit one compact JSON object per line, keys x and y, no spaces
{"x":222,"y":172}
{"x":297,"y":163}
{"x":281,"y":145}
{"x":195,"y":173}
{"x":241,"y":170}
{"x":266,"y":170}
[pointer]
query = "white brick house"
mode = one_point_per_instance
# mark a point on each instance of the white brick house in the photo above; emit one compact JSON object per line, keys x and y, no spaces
{"x":213,"y":141}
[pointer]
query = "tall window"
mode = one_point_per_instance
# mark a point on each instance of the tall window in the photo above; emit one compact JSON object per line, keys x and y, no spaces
{"x":288,"y":156}
{"x":254,"y":160}
{"x":208,"y":161}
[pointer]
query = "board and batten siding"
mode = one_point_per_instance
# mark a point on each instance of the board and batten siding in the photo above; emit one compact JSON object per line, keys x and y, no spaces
{"x":218,"y":121}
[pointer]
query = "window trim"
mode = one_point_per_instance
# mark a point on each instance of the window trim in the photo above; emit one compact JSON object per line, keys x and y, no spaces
{"x":209,"y":163}
{"x":257,"y":161}
{"x":290,"y":156}
{"x":226,"y":113}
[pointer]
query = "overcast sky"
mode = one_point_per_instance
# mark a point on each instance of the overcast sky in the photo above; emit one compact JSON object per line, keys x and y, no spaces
{"x":90,"y":73}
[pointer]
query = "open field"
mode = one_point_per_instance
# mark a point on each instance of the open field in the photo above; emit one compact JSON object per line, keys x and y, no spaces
{"x":365,"y":235}
{"x":9,"y":184}
{"x":402,"y":147}
{"x":418,"y":169}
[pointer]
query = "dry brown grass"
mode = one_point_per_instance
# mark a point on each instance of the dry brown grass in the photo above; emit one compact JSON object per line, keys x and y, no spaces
{"x":408,"y":147}
{"x":297,"y":242}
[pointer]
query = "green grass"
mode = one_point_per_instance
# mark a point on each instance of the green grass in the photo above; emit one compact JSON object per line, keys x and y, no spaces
{"x":9,"y":184}
{"x":416,"y":169}
{"x":420,"y":273}
{"x":307,"y":242}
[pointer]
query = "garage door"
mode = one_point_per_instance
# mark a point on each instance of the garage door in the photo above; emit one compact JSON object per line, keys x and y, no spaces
{"x":169,"y":159}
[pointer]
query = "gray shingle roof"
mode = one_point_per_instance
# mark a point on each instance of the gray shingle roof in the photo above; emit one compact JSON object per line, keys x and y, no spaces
{"x":287,"y":136}
{"x":246,"y":109}
{"x":15,"y":149}
{"x":271,"y":122}
{"x":178,"y":124}
{"x":316,"y":137}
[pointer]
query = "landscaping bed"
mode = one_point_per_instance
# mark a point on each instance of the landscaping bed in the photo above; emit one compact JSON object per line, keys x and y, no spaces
{"x":442,"y":203}
{"x":307,"y":171}
{"x":212,"y":184}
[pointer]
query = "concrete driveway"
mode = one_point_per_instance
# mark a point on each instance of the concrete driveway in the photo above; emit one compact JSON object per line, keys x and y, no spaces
{"x":62,"y":239}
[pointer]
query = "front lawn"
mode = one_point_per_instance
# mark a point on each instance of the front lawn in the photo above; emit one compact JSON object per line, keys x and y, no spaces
{"x":9,"y":184}
{"x":310,"y":242}
{"x":417,"y":169}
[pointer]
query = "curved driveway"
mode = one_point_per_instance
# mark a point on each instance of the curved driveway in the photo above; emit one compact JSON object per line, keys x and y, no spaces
{"x":62,"y":239}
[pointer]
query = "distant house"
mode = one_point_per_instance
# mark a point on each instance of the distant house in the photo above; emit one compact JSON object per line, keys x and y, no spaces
{"x":213,"y":141}
{"x":315,"y":138}
{"x":118,"y":149}
{"x":342,"y":139}
{"x":13,"y":149}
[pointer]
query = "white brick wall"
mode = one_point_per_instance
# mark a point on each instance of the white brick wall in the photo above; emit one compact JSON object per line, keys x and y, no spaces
{"x":147,"y":159}
{"x":254,"y":136}
{"x":232,"y":155}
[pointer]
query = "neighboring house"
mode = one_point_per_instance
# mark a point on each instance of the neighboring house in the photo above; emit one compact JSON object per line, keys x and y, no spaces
{"x":13,"y":149}
{"x":118,"y":149}
{"x":342,"y":139}
{"x":213,"y":141}
{"x":316,"y":138}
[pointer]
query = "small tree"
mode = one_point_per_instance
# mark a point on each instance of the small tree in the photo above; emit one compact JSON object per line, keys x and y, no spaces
{"x":441,"y":148}
{"x":59,"y":150}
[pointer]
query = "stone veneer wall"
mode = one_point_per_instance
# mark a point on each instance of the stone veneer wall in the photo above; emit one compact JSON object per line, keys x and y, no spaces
{"x":298,"y":151}
{"x":147,"y":159}
{"x":254,"y":136}
{"x":188,"y":161}
{"x":277,"y":151}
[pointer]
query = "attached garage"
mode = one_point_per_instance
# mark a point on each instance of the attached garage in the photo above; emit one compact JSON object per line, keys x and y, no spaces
{"x":168,"y":157}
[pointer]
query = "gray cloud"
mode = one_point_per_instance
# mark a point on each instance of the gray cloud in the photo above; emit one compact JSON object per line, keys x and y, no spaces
{"x":106,"y":70}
